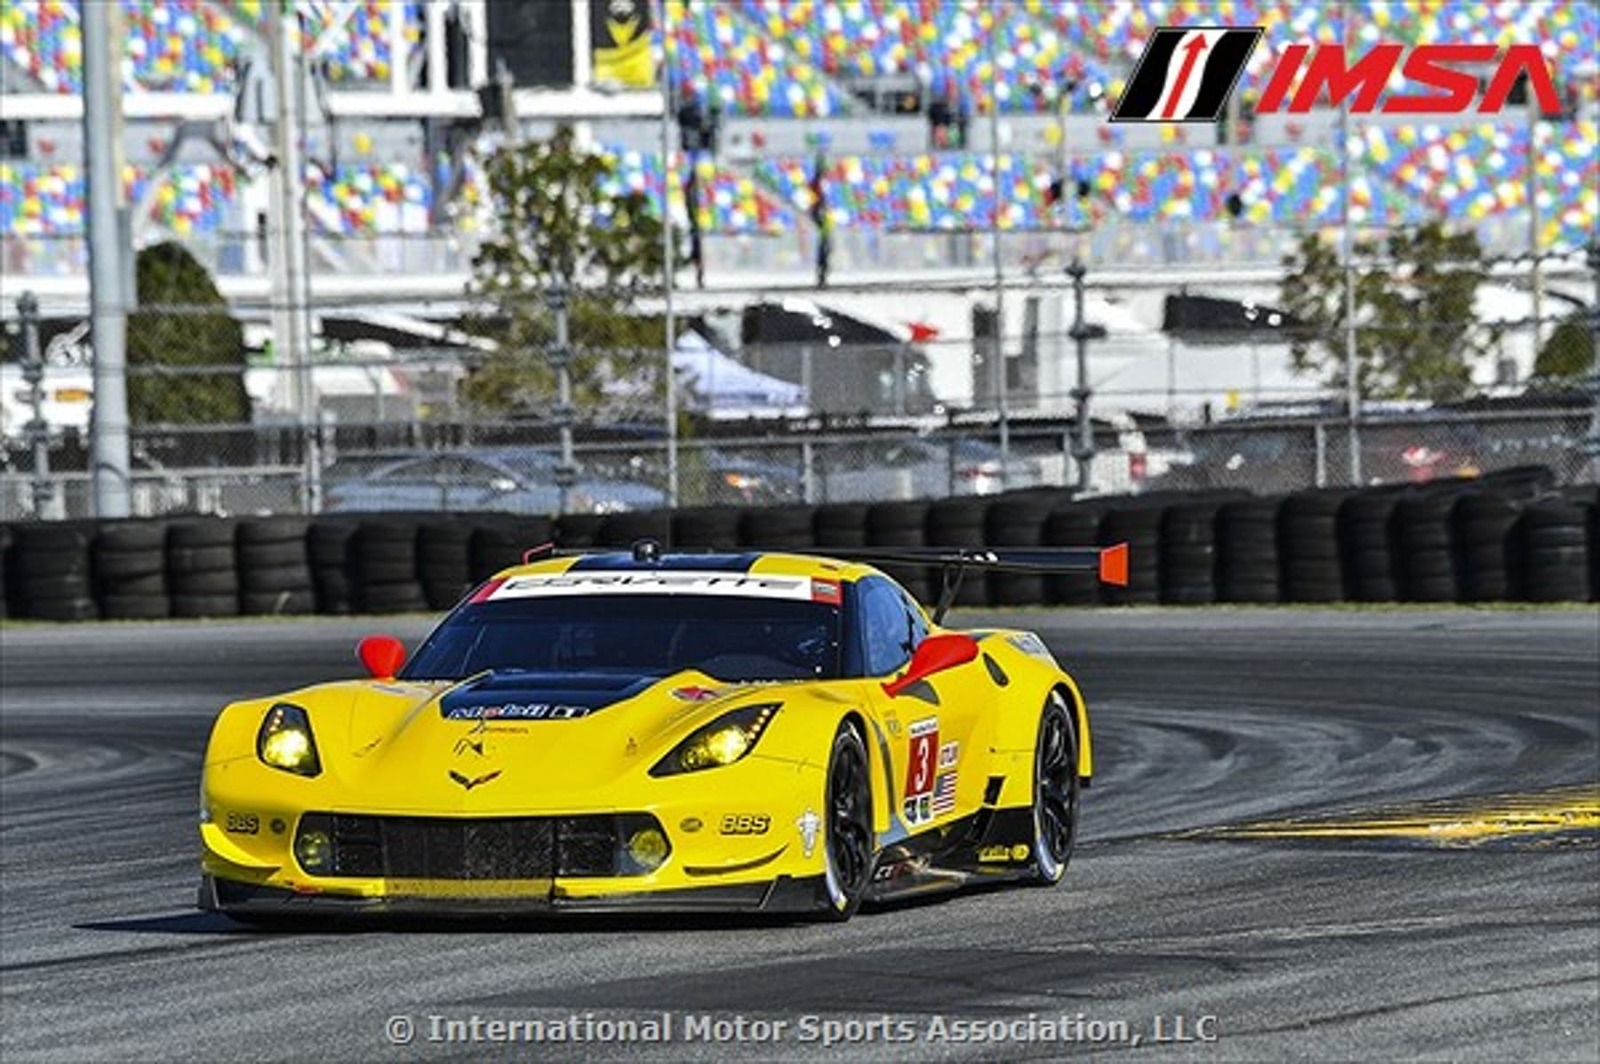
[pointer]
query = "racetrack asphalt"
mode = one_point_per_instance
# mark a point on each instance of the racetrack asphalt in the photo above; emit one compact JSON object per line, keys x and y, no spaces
{"x":1273,"y":950}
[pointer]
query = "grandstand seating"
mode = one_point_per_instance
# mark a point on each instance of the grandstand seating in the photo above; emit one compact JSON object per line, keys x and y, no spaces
{"x":365,"y":199}
{"x":195,"y":45}
{"x":729,"y":202}
{"x":783,"y":57}
{"x":1401,"y":174}
{"x":795,"y":57}
{"x":777,"y":56}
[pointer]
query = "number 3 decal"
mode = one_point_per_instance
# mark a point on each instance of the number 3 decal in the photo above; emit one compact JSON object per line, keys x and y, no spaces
{"x":923,"y":754}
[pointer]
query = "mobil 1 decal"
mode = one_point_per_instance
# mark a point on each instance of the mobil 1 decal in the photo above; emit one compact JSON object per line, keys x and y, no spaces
{"x":922,"y":769}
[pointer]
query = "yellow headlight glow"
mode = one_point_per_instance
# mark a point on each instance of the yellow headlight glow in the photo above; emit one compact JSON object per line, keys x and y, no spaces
{"x":721,"y":747}
{"x":722,"y":742}
{"x":290,"y":749}
{"x":285,"y":742}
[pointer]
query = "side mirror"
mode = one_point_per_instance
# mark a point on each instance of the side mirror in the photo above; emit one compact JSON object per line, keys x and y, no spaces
{"x":381,"y":656}
{"x":934,"y":654}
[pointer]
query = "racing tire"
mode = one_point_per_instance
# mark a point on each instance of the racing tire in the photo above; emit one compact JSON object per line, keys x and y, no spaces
{"x":205,"y":605}
{"x":1018,"y":521}
{"x":961,"y":522}
{"x":1056,"y":788}
{"x":706,"y":528}
{"x":578,"y":531}
{"x":1072,"y":525}
{"x":620,"y":531}
{"x":848,"y":840}
{"x":790,"y":527}
{"x":1140,"y":528}
{"x":841,"y":524}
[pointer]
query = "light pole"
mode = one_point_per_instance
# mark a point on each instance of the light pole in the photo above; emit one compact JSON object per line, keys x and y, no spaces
{"x":1594,"y":364}
{"x":669,"y":251}
{"x":108,"y":280}
{"x":1083,"y":452}
{"x":1352,"y":354}
{"x":998,"y":376}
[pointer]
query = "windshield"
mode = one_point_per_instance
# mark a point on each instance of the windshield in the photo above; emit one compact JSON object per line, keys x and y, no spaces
{"x":724,"y":637}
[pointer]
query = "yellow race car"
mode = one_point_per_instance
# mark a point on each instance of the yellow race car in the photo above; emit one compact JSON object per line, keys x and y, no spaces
{"x":755,"y":731}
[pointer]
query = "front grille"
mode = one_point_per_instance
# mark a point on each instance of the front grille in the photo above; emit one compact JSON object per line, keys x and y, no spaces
{"x":403,"y":847}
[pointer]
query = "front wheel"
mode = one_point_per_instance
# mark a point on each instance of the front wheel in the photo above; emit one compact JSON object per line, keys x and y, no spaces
{"x":848,"y":844}
{"x":1055,"y":793}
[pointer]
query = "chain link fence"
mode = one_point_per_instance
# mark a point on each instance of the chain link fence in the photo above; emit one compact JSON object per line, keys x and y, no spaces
{"x":848,"y":394}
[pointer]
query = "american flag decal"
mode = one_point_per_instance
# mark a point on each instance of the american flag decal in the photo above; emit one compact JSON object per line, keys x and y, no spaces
{"x":944,"y":794}
{"x":1186,"y":74}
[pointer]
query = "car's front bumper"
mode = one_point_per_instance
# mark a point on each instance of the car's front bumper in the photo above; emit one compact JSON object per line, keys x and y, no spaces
{"x":784,"y":894}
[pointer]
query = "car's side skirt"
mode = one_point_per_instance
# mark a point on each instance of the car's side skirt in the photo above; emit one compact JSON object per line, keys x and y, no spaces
{"x":990,"y":845}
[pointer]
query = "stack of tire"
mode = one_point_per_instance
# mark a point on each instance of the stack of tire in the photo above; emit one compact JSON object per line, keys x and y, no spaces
{"x":1308,"y":546}
{"x":1138,"y":524}
{"x":1552,"y":537}
{"x":703,"y":528}
{"x":383,"y":564}
{"x":1247,"y":551}
{"x":620,"y":531}
{"x":903,"y":524}
{"x":203,"y":568}
{"x":50,"y":572}
{"x":578,"y":531}
{"x":1366,"y":545}
{"x":274,"y":569}
{"x":444,"y":561}
{"x":961,"y":522}
{"x":5,"y":569}
{"x":1425,"y":547}
{"x":500,"y":541}
{"x":1487,"y":561}
{"x":1189,"y":551}
{"x":329,"y":542}
{"x":841,"y":524}
{"x":791,"y":527}
{"x":1072,"y":524}
{"x":1018,"y":520}
{"x":130,"y":570}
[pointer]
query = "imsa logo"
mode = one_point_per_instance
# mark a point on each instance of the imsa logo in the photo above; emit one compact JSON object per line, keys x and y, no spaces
{"x":1186,"y":74}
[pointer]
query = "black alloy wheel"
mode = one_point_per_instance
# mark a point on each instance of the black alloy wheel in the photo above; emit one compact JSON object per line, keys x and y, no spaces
{"x":849,"y":842}
{"x":1055,"y":793}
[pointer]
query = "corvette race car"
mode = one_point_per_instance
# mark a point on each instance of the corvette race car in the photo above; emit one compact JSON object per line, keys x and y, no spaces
{"x":755,"y":731}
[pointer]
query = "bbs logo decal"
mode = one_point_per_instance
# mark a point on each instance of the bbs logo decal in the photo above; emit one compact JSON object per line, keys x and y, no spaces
{"x":745,"y":824}
{"x":1186,"y":74}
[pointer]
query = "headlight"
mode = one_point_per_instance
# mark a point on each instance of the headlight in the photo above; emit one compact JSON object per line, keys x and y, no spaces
{"x":285,"y":741}
{"x":722,"y":742}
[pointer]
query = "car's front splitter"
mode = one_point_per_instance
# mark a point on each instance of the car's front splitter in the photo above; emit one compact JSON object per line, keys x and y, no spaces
{"x":784,"y":894}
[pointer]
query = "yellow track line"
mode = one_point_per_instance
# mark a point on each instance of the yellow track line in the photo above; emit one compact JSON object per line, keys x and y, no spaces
{"x":1460,"y":821}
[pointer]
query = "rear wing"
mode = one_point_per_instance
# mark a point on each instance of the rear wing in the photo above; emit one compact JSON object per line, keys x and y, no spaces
{"x":1110,"y":564}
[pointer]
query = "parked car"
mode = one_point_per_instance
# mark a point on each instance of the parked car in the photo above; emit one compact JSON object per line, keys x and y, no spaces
{"x":919,"y":469}
{"x":516,"y":480}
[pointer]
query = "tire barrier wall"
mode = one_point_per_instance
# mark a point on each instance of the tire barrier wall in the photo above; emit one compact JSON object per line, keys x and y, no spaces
{"x":1512,"y":537}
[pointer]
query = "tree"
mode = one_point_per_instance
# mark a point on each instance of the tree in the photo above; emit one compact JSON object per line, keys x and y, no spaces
{"x":561,"y":224}
{"x":1568,"y":356}
{"x":189,"y":348}
{"x":1417,"y":333}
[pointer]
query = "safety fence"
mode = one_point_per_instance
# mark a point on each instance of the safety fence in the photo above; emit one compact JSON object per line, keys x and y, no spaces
{"x":1509,"y":536}
{"x":510,"y":467}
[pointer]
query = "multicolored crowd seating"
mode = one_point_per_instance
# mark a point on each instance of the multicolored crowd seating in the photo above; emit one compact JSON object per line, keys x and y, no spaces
{"x":1399,"y":174}
{"x":195,"y":45}
{"x":789,"y":57}
{"x":779,"y":57}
